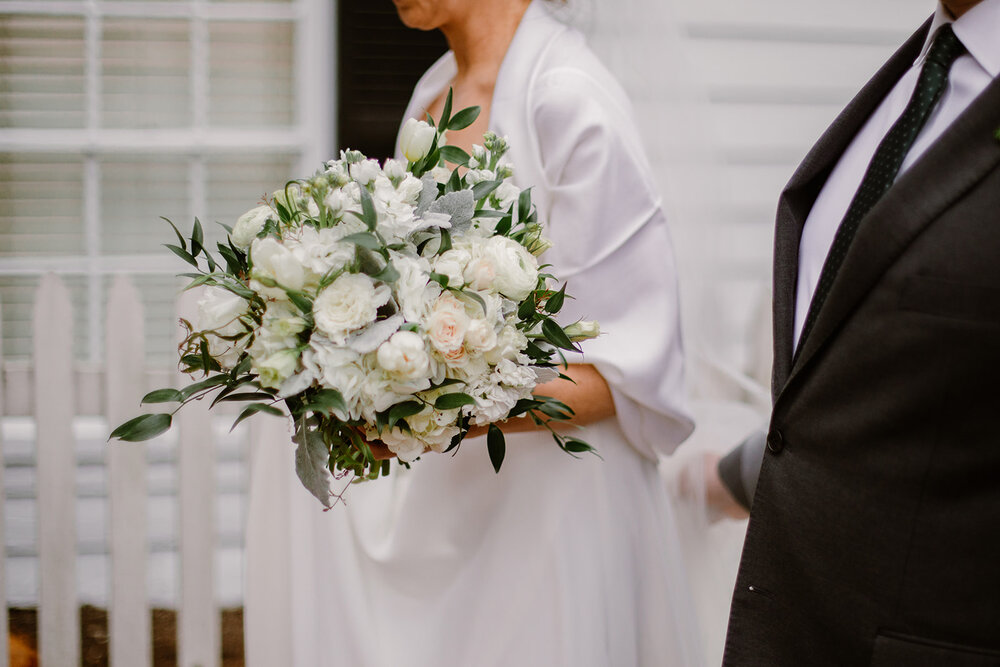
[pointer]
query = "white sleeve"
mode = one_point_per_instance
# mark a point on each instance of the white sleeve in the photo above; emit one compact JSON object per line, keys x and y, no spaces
{"x":612,"y":246}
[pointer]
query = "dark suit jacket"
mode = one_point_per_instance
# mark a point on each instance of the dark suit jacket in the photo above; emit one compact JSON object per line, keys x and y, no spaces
{"x":874,"y":536}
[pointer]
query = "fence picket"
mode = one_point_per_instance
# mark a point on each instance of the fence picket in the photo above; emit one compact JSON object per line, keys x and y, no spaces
{"x":129,"y":613}
{"x":59,"y":618}
{"x":4,"y":639}
{"x":198,"y":616}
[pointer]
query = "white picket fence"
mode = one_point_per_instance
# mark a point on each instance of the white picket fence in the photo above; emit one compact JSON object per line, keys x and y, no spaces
{"x":54,"y":390}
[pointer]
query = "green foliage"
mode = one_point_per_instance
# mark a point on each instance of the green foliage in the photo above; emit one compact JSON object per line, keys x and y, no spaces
{"x":496,"y":445}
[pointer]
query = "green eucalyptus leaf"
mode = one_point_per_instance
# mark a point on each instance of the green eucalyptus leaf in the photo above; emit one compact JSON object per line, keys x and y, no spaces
{"x":162,"y":396}
{"x":365,"y":240}
{"x":388,"y":274}
{"x":325,"y":400}
{"x":455,"y":155}
{"x":446,"y":111}
{"x":483,"y":188}
{"x":402,"y":411}
{"x":555,"y":335}
{"x":445,"y":244}
{"x":183,"y":254}
{"x":180,"y":237}
{"x":452,"y":401}
{"x":555,"y":302}
{"x":524,"y":205}
{"x":141,"y":428}
{"x":253,"y":409}
{"x":464,"y":118}
{"x":496,"y":445}
{"x":214,"y":381}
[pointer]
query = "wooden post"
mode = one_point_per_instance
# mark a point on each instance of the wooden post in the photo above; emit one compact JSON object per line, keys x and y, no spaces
{"x":198,"y":616}
{"x":59,"y":614}
{"x":129,"y":613}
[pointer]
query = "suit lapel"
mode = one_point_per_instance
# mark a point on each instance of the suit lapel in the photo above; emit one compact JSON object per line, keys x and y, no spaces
{"x":799,"y":195}
{"x":962,"y":156}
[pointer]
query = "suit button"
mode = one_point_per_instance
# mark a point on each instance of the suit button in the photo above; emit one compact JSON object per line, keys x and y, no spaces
{"x":775,"y":441}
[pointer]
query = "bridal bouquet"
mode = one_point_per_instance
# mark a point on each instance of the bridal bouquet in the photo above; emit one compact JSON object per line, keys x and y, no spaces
{"x":400,"y":303}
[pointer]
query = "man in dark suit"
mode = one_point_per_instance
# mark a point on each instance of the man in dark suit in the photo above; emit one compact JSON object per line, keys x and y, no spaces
{"x":874,"y":534}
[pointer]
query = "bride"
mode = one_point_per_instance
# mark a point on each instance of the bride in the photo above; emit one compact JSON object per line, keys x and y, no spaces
{"x":553,"y":561}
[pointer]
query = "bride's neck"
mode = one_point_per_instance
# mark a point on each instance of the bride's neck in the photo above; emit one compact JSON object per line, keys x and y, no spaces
{"x":480,"y":38}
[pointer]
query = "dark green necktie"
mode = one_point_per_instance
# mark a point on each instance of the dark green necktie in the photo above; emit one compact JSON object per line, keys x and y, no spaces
{"x":888,"y":159}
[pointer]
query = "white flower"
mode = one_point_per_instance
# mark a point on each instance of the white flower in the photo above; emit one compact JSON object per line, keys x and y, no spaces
{"x":347,"y":304}
{"x":415,"y":139}
{"x":441,"y":174}
{"x":394,"y":170}
{"x":409,"y":190}
{"x":452,"y":263}
{"x":272,"y":261}
{"x":414,"y":291}
{"x":582,"y":330}
{"x":514,"y":375}
{"x":516,"y":268}
{"x":480,"y":336}
{"x":365,"y":172}
{"x":249,"y":225}
{"x":276,"y":368}
{"x":506,"y":194}
{"x":474,"y":176}
{"x":335,"y":203}
{"x":319,"y":250}
{"x":404,"y":356}
{"x":339,"y":368}
{"x":481,"y":272}
{"x":447,"y":324}
{"x":510,"y":343}
{"x":219,"y":312}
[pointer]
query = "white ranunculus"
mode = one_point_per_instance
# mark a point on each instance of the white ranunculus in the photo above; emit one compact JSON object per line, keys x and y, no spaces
{"x":415,"y":139}
{"x":274,"y":369}
{"x":516,"y":268}
{"x":481,"y":272}
{"x":273,"y":261}
{"x":219,"y":313}
{"x":404,"y":356}
{"x":452,"y":263}
{"x":447,"y":324}
{"x":480,"y":337}
{"x":347,"y":304}
{"x":365,"y":172}
{"x":249,"y":225}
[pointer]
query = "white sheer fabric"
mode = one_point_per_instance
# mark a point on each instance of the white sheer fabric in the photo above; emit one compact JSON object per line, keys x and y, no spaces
{"x":554,"y":561}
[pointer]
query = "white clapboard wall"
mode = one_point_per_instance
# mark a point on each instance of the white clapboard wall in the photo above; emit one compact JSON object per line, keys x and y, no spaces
{"x":127,"y":526}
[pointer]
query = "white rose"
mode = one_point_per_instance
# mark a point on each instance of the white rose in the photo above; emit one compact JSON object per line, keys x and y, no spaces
{"x":516,"y":268}
{"x":347,"y":304}
{"x":404,"y":356}
{"x":452,"y":263}
{"x":276,"y":368}
{"x":583,"y":330}
{"x":480,"y":336}
{"x":415,"y":139}
{"x":249,"y":225}
{"x":447,"y":324}
{"x":273,"y":261}
{"x":365,"y":172}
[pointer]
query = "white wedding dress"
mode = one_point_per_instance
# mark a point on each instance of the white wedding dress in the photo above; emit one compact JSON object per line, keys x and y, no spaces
{"x":553,"y":561}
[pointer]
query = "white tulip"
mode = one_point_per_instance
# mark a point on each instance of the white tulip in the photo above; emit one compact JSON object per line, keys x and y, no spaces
{"x":415,"y":139}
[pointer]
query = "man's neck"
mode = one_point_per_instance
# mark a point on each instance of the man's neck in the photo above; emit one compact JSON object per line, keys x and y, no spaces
{"x":958,"y":7}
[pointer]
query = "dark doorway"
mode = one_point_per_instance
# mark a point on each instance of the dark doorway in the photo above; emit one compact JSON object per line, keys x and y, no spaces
{"x":379,"y":61}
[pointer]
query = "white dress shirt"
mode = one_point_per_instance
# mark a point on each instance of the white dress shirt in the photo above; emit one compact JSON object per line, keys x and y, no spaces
{"x":979,"y":31}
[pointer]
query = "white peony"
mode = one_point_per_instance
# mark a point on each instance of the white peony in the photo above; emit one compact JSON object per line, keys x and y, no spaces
{"x":249,"y":225}
{"x":349,"y":303}
{"x":404,"y":356}
{"x":415,"y":139}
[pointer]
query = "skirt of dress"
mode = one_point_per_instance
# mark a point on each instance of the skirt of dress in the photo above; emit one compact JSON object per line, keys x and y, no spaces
{"x":553,"y":561}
